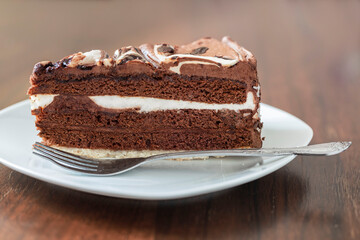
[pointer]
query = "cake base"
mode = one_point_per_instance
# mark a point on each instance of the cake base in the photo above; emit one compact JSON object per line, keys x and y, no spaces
{"x":120,"y":154}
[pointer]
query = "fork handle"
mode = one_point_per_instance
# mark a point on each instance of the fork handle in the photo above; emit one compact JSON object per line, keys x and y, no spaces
{"x":324,"y":149}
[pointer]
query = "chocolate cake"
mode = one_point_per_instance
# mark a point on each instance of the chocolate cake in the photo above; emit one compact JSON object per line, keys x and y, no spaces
{"x":149,"y":99}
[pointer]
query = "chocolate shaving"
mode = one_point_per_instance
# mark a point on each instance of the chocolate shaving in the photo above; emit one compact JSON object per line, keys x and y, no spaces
{"x":130,"y":57}
{"x":41,"y":66}
{"x":82,"y":67}
{"x":167,"y":50}
{"x":66,"y":62}
{"x":138,"y":50}
{"x":226,"y":58}
{"x":200,"y":50}
{"x":50,"y":69}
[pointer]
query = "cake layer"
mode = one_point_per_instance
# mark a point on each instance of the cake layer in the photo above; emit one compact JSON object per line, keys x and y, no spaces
{"x":176,"y":87}
{"x":170,"y":140}
{"x":131,"y":120}
{"x":70,"y":111}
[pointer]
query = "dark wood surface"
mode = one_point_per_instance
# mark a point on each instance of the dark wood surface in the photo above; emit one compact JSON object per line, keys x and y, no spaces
{"x":309,"y":65}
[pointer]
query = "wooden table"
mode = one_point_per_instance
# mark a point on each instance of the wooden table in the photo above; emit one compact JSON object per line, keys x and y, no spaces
{"x":309,"y":65}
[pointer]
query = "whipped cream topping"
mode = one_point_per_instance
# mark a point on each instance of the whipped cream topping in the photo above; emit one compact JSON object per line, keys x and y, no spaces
{"x":148,"y":104}
{"x":91,"y":58}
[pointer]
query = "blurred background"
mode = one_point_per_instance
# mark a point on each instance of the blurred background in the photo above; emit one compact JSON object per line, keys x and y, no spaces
{"x":292,"y":40}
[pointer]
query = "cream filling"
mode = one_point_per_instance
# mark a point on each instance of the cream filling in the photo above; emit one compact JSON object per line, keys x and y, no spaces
{"x":257,"y":88}
{"x":41,"y":100}
{"x":257,"y":114}
{"x":148,"y":104}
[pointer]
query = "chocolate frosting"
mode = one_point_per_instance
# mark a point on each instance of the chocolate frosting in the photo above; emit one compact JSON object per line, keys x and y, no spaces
{"x":205,"y":57}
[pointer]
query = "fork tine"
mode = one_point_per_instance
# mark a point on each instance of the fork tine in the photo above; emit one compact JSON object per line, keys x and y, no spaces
{"x":65,"y":154}
{"x":64,"y":159}
{"x":53,"y":159}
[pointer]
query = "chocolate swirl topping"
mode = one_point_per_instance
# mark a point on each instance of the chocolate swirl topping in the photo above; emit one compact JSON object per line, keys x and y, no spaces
{"x":206,"y":51}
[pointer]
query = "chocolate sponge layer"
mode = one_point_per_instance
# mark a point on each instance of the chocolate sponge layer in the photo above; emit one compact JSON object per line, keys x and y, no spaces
{"x":169,"y":139}
{"x":76,"y":121}
{"x":177,"y":87}
{"x":67,"y":111}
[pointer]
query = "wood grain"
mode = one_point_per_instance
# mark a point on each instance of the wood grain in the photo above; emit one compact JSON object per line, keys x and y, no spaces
{"x":309,"y":65}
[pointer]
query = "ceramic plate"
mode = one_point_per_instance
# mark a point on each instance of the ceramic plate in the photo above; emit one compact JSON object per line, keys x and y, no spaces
{"x":159,"y":180}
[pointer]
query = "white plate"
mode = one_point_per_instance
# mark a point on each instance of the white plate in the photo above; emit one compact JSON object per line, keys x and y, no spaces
{"x":158,"y":180}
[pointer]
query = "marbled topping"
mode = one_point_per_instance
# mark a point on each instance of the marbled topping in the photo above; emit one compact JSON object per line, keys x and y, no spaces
{"x":126,"y":54}
{"x":206,"y":51}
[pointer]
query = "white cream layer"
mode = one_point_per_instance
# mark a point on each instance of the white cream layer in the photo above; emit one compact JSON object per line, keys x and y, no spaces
{"x":148,"y":104}
{"x":118,"y":154}
{"x":257,"y":88}
{"x":41,"y":100}
{"x":104,"y":153}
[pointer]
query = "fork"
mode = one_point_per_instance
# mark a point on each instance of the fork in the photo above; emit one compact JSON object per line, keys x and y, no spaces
{"x":117,"y":166}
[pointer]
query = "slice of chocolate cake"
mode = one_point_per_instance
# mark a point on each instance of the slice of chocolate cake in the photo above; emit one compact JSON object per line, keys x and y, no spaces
{"x":149,"y":100}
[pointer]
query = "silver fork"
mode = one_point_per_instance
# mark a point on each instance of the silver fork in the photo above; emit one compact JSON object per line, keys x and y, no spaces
{"x":116,"y":166}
